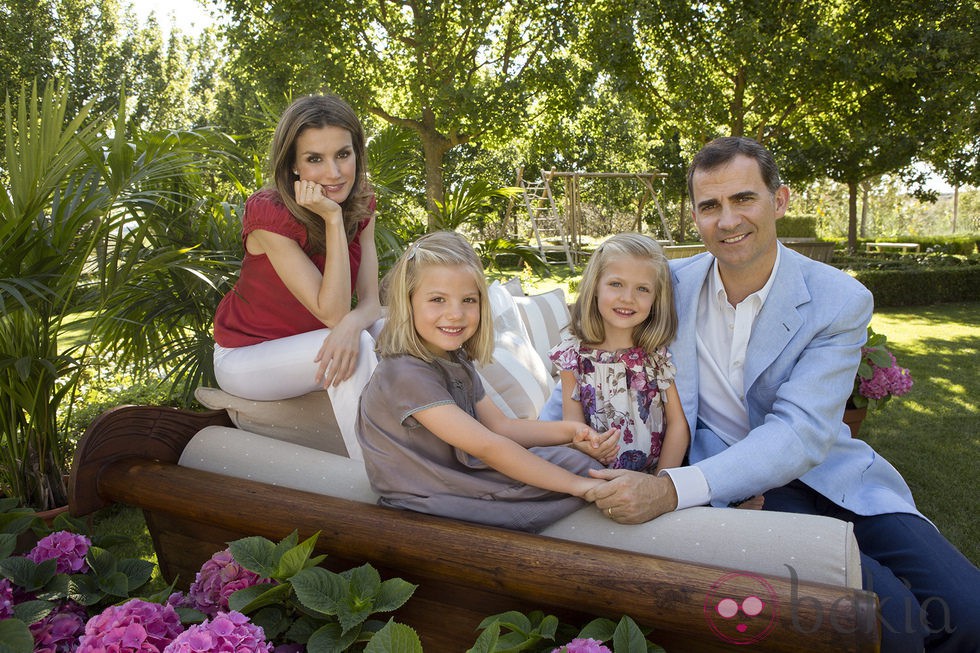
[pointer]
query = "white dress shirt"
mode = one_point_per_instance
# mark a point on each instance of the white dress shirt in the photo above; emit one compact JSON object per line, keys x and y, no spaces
{"x":722,"y":339}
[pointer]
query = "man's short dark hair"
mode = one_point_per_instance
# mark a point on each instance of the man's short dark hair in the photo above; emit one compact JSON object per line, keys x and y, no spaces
{"x":722,"y":150}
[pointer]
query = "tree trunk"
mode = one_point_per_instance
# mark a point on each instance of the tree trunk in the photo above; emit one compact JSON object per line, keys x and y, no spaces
{"x":956,"y":205}
{"x":852,"y":191}
{"x":864,"y":210}
{"x":682,"y":222}
{"x":434,"y":147}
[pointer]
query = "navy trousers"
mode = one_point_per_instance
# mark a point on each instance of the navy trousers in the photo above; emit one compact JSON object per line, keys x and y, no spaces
{"x":928,"y":592}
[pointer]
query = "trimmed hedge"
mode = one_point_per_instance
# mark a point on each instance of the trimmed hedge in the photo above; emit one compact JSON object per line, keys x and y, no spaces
{"x":922,"y":286}
{"x":952,"y":245}
{"x":797,"y":226}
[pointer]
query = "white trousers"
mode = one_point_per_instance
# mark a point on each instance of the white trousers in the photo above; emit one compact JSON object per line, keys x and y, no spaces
{"x":284,"y":368}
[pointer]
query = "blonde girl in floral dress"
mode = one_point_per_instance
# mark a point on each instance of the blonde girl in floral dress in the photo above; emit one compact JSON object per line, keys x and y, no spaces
{"x":616,"y":372}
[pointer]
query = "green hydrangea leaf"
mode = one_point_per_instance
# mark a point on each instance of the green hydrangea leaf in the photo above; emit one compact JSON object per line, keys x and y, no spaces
{"x":394,"y":638}
{"x":15,"y":637}
{"x":600,"y":629}
{"x":330,"y":639}
{"x":26,"y":574}
{"x":512,"y":620}
{"x":354,"y":611}
{"x":320,"y":590}
{"x":31,"y":611}
{"x":628,"y":637}
{"x":101,"y":562}
{"x":137,"y":572}
{"x":286,"y":543}
{"x":393,"y":594}
{"x":295,"y":559}
{"x":250,"y":599}
{"x":879,"y":357}
{"x":257,"y":554}
{"x":8,"y":542}
{"x":273,"y":619}
{"x":115,"y":584}
{"x":365,"y":582}
{"x":487,"y":641}
{"x":189,"y":616}
{"x":84,"y":589}
{"x":302,"y":629}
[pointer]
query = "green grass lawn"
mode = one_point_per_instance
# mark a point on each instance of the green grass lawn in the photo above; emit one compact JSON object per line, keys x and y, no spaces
{"x":931,"y":435}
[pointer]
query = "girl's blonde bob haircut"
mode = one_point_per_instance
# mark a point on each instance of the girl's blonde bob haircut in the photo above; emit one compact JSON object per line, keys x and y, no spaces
{"x":448,"y":248}
{"x":660,"y":327}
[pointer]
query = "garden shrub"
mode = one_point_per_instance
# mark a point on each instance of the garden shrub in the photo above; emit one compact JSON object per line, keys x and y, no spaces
{"x":921,"y":286}
{"x":797,"y":226}
{"x":964,"y":245}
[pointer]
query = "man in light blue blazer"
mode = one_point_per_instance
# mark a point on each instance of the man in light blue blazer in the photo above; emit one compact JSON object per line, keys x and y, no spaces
{"x":767,"y":348}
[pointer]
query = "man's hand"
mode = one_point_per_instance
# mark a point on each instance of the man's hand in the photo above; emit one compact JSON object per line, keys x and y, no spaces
{"x":632,"y":497}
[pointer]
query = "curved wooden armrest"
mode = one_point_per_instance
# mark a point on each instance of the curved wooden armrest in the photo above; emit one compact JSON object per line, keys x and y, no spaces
{"x":150,"y":432}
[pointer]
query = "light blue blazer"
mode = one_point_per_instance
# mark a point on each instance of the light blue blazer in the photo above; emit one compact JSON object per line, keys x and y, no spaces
{"x":799,"y":371}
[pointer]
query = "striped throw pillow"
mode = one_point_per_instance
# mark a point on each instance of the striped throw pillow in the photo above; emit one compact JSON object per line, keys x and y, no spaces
{"x":517,"y":379}
{"x":545,"y":317}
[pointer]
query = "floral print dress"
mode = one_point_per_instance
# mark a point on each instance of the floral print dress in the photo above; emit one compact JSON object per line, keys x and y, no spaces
{"x":621,"y":389}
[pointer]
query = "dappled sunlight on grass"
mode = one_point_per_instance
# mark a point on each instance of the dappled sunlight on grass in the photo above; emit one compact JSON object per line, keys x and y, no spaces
{"x":932,"y":435}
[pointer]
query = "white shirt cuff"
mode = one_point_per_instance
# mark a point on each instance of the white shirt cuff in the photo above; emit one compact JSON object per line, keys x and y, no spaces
{"x":690,"y":485}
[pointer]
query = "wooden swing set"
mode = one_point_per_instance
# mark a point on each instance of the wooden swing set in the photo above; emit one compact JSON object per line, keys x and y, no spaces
{"x":563,"y":229}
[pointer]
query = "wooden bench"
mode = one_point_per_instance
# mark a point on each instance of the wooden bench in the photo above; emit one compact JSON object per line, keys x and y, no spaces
{"x":902,"y":248}
{"x":464,"y":571}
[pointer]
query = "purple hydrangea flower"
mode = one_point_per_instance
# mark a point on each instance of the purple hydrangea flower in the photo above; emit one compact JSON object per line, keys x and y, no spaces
{"x":219,"y":578}
{"x":136,"y":626}
{"x":6,"y":599}
{"x":67,"y":548}
{"x":226,"y":632}
{"x":59,"y":631}
{"x":583,"y":645}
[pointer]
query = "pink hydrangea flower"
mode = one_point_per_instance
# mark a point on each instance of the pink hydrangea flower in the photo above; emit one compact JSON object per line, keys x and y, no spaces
{"x":6,"y":599}
{"x":59,"y":631}
{"x":583,"y":645}
{"x":885,"y":381}
{"x":67,"y":548}
{"x":219,"y":578}
{"x":227,"y":632}
{"x":136,"y":626}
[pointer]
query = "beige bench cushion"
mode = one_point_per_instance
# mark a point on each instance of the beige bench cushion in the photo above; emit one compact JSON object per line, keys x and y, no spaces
{"x":819,"y":549}
{"x":307,"y":420}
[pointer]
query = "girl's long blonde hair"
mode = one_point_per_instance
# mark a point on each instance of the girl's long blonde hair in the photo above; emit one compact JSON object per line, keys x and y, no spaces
{"x":316,"y":111}
{"x":660,"y":327}
{"x":398,"y":336}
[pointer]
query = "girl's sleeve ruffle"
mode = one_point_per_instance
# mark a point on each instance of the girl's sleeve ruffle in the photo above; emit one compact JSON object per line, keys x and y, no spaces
{"x":661,"y":367}
{"x":565,"y":354}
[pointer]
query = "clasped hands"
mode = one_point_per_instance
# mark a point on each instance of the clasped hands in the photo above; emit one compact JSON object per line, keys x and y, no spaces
{"x":626,"y":496}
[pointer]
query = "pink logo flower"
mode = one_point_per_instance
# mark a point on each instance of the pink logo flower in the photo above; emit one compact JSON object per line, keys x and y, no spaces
{"x":741,"y":608}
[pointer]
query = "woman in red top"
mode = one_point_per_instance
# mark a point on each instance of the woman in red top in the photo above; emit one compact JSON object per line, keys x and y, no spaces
{"x":287,"y":328}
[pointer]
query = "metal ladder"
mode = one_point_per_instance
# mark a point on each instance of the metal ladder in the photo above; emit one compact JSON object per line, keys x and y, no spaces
{"x":545,"y":220}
